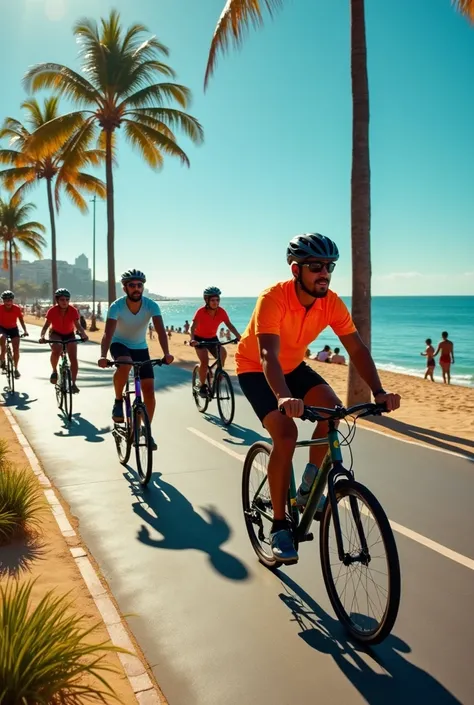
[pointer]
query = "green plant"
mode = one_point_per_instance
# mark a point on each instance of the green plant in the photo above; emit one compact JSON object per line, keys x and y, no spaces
{"x":45,"y":654}
{"x":21,"y":502}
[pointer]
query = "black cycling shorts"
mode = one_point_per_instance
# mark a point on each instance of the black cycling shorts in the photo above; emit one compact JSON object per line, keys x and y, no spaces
{"x":142,"y":355}
{"x":10,"y":332}
{"x":257,"y":390}
{"x":210,"y":344}
{"x":60,"y":337}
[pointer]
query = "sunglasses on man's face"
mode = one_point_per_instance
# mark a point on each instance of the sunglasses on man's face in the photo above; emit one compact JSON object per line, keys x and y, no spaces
{"x":316,"y":267}
{"x":215,"y":299}
{"x":135,"y":285}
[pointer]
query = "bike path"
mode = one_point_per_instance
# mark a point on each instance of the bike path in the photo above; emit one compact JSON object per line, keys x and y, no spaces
{"x":216,"y":626}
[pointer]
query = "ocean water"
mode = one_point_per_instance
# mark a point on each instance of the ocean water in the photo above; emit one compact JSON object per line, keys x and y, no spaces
{"x":400,"y":326}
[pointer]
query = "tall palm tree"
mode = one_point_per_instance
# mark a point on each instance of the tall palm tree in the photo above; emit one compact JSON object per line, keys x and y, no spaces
{"x":236,"y":16}
{"x":118,"y":67}
{"x":465,"y":7}
{"x":61,"y":163}
{"x":17,"y":232}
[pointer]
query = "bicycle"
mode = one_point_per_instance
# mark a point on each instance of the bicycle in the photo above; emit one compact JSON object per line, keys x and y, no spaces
{"x":218,"y":384}
{"x":63,"y":386}
{"x":10,"y":365}
{"x":136,"y":428}
{"x":346,"y":499}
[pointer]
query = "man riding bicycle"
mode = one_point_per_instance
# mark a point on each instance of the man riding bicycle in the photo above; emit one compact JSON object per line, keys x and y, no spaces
{"x":204,"y":327}
{"x":125,"y":334}
{"x":10,"y":315}
{"x":64,"y":322}
{"x":274,"y":377}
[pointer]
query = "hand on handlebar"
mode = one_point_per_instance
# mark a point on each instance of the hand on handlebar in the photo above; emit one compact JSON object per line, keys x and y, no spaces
{"x":193,"y":343}
{"x":168,"y":359}
{"x":25,"y":334}
{"x":294,"y":408}
{"x":42,"y":340}
{"x":103,"y":362}
{"x":391,"y":401}
{"x":84,"y":338}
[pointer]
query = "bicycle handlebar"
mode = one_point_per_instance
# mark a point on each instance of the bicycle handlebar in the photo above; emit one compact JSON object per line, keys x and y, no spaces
{"x":216,"y":342}
{"x":158,"y":362}
{"x":60,"y":342}
{"x":321,"y":413}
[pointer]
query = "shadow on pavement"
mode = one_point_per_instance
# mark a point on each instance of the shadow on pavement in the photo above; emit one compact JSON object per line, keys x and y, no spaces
{"x":392,"y":679}
{"x":426,"y":435}
{"x":16,"y":557}
{"x":182,"y":528}
{"x":20,"y":400}
{"x":240,"y":435}
{"x":79,"y":426}
{"x":90,"y":375}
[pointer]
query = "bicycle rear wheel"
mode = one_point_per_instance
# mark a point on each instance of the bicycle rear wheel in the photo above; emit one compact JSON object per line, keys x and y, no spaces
{"x":365,"y":587}
{"x":66,"y":386}
{"x":142,"y":442}
{"x":10,"y":372}
{"x":201,"y":402}
{"x":225,"y":398}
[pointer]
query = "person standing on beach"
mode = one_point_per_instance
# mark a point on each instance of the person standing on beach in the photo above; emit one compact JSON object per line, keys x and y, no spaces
{"x":446,"y":348}
{"x":430,"y":361}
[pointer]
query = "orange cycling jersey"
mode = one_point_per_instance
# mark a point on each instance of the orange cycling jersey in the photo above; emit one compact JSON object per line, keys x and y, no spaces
{"x":206,"y":325}
{"x":279,"y":312}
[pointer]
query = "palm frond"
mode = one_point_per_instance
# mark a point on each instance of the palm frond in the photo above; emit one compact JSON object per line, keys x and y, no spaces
{"x":76,"y":197}
{"x":11,"y":177}
{"x":63,"y":80}
{"x":50,"y":137}
{"x":142,"y":135}
{"x":172,"y":118}
{"x":465,"y":7}
{"x":145,"y":72}
{"x":12,"y":156}
{"x":237,"y":16}
{"x":15,"y":131}
{"x":31,"y":225}
{"x":158,"y":92}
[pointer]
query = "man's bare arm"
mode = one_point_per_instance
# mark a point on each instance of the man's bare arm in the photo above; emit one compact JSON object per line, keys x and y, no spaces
{"x":362,"y":359}
{"x":162,"y":337}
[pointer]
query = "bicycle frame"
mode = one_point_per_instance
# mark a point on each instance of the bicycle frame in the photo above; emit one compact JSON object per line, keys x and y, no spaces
{"x":137,"y":390}
{"x":216,"y":364}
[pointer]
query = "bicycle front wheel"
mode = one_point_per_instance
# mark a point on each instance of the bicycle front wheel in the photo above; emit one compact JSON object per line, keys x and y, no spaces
{"x":123,"y":439}
{"x":66,"y":387}
{"x":364,"y":588}
{"x":142,"y":442}
{"x":10,"y":372}
{"x":201,"y":402}
{"x":225,"y":398}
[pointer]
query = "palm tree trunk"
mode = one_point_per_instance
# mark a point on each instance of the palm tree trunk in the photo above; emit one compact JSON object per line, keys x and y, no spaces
{"x":54,"y":263}
{"x":10,"y":257}
{"x":109,"y":178}
{"x":358,"y":391}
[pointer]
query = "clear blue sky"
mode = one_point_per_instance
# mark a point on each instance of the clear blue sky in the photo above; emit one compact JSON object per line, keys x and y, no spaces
{"x":277,"y":155}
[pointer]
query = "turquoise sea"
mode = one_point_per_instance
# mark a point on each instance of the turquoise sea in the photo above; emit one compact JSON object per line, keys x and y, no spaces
{"x":400,"y":326}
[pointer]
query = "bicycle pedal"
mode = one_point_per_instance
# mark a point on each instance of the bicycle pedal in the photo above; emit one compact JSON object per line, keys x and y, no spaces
{"x":307,"y":537}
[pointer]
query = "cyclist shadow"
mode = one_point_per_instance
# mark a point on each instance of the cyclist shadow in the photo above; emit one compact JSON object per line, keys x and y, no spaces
{"x":173,"y":516}
{"x":79,"y":426}
{"x":395,"y":681}
{"x":239,"y":435}
{"x":20,"y":400}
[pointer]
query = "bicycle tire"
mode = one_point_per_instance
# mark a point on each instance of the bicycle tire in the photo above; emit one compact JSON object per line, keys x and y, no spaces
{"x":59,"y":394}
{"x":347,"y":489}
{"x":123,"y":440}
{"x":140,"y":419}
{"x":10,"y":372}
{"x":251,"y":517}
{"x":201,"y":402}
{"x":66,"y":385}
{"x":224,"y":379}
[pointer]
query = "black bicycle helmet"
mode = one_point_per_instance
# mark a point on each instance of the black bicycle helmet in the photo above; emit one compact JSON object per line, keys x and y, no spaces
{"x":132,"y":275}
{"x":8,"y":295}
{"x":62,"y":292}
{"x":309,"y":245}
{"x":211,"y":291}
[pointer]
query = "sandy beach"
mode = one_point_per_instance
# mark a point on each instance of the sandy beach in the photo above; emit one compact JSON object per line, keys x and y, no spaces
{"x":436,"y":414}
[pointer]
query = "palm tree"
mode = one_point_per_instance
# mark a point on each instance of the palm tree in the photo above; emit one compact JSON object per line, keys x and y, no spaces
{"x":118,"y":68}
{"x":236,"y":16}
{"x":16,"y":232}
{"x":62,"y":163}
{"x":465,"y":7}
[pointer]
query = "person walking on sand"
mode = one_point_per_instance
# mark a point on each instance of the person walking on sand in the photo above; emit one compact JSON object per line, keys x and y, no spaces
{"x":446,"y":348}
{"x":430,"y":361}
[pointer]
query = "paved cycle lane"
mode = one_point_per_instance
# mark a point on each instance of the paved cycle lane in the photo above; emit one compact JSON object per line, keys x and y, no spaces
{"x":216,"y":626}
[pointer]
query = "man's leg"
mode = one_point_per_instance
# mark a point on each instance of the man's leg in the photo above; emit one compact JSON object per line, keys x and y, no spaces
{"x":284,"y":434}
{"x":148,"y":389}
{"x":121,"y":375}
{"x":72,"y":353}
{"x":3,"y":342}
{"x":203,"y":355}
{"x":55,"y":355}
{"x":223,"y":356}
